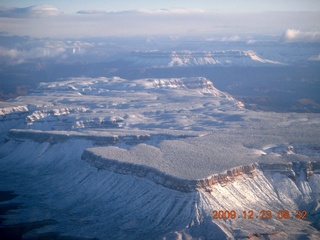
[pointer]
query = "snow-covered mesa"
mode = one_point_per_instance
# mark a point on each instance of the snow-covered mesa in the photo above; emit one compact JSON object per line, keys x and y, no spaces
{"x":199,"y":58}
{"x":111,"y":158}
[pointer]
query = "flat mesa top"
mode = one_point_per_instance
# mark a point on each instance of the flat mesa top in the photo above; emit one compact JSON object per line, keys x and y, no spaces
{"x":224,"y":133}
{"x":200,"y":157}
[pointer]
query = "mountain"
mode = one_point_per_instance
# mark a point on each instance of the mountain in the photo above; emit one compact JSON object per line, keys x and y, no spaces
{"x":199,"y":58}
{"x":156,"y":158}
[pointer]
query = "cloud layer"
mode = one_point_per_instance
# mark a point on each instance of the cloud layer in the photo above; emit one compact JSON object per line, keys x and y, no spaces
{"x":33,"y":11}
{"x":13,"y":56}
{"x":145,"y":11}
{"x":18,"y":50}
{"x":293,"y":35}
{"x":176,"y":21}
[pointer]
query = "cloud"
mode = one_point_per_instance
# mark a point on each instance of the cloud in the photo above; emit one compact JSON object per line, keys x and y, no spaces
{"x":171,"y":11}
{"x":30,"y":50}
{"x":14,"y":56}
{"x":33,"y":11}
{"x":234,"y":38}
{"x":92,"y":12}
{"x":293,"y":35}
{"x":145,"y":11}
{"x":314,"y":58}
{"x":173,"y":21}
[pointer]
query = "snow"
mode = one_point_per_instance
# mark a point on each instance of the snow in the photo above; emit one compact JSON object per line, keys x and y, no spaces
{"x":221,"y":134}
{"x":12,"y":109}
{"x":87,"y":202}
{"x":152,"y":158}
{"x":255,"y":57}
{"x":199,"y":58}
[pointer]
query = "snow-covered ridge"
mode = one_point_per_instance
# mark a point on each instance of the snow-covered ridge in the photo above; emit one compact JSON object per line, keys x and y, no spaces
{"x":102,"y":85}
{"x":153,"y":174}
{"x":189,"y":185}
{"x":111,"y":86}
{"x":199,"y":58}
{"x":147,"y":171}
{"x":187,"y":83}
{"x":104,"y":138}
{"x":50,"y":114}
{"x":81,"y":103}
{"x":14,"y":110}
{"x":12,"y":115}
{"x":200,"y":84}
{"x":165,"y":179}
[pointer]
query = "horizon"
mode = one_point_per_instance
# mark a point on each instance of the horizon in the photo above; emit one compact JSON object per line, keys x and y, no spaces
{"x":97,"y":19}
{"x":72,"y":6}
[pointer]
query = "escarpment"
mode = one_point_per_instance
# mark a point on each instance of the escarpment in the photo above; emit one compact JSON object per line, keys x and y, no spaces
{"x":150,"y":173}
{"x":98,"y":137}
{"x":290,"y":170}
{"x":156,"y":171}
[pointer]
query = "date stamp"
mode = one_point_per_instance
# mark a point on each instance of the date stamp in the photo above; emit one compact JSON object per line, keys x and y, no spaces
{"x":262,"y":214}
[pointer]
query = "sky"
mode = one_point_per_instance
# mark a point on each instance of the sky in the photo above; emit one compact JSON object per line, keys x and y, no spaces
{"x":72,"y":6}
{"x":79,"y":18}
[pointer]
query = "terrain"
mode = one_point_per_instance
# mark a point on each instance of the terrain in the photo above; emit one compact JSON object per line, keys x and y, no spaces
{"x":266,"y":73}
{"x":115,"y":158}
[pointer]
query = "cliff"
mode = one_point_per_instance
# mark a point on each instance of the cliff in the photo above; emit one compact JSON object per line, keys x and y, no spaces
{"x":98,"y":137}
{"x":198,"y":58}
{"x":150,"y":170}
{"x":189,"y":185}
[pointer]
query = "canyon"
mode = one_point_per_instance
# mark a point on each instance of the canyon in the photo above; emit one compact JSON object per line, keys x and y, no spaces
{"x":111,"y":158}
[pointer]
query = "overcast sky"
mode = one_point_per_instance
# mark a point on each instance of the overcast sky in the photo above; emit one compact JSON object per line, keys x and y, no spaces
{"x":69,"y":6}
{"x":79,"y":18}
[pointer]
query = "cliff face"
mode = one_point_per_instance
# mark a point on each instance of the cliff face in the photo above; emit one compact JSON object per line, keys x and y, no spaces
{"x":103,"y":138}
{"x":291,"y":170}
{"x":146,"y":172}
{"x":12,"y":116}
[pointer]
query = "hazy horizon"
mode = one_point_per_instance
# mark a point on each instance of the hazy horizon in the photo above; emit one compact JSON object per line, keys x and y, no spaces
{"x":100,"y":19}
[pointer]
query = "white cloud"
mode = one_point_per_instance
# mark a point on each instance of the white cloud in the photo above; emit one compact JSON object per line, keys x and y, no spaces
{"x":171,"y":11}
{"x":293,"y":35}
{"x":33,"y":11}
{"x":92,"y":12}
{"x":42,"y":49}
{"x":10,"y":56}
{"x":314,"y":58}
{"x":145,"y":11}
{"x":251,"y":41}
{"x":14,"y":56}
{"x":230,"y":39}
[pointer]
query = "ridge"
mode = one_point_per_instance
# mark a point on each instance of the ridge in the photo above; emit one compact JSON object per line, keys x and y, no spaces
{"x":290,"y":169}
